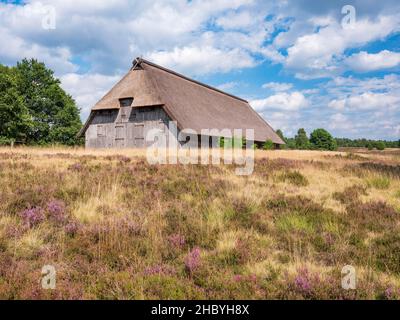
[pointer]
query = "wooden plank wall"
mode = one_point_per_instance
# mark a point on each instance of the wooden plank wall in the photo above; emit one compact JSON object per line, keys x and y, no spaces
{"x":124,"y":128}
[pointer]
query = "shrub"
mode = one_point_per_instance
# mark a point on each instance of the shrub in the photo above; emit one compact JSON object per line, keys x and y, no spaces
{"x":268,"y":145}
{"x":235,"y":142}
{"x":56,"y":210}
{"x":159,"y":269}
{"x":33,"y":216}
{"x":295,"y":178}
{"x":299,"y":204}
{"x":169,"y":287}
{"x":6,"y":141}
{"x":387,"y":253}
{"x":303,"y":282}
{"x":243,"y":211}
{"x":322,"y":140}
{"x":267,"y":166}
{"x":380,"y":145}
{"x":301,"y":139}
{"x":71,"y":228}
{"x":177,"y":240}
{"x":361,"y":169}
{"x":391,"y":294}
{"x":192,"y":260}
{"x":350,"y":194}
{"x":373,"y":215}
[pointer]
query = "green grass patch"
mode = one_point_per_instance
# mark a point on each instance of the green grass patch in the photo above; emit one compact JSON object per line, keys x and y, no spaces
{"x":381,"y":183}
{"x":294,"y":222}
{"x":331,"y":226}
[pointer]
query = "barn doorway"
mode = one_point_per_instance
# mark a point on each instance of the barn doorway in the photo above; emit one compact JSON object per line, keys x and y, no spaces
{"x":138,"y":133}
{"x":120,"y":135}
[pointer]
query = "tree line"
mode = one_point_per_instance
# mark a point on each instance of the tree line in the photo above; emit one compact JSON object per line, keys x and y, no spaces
{"x":34,"y":109}
{"x":321,"y":139}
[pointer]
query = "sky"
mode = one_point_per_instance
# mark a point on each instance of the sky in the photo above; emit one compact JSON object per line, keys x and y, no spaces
{"x":311,"y":64}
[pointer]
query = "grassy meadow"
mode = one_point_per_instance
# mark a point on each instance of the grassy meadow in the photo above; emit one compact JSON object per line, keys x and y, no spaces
{"x":115,"y":227}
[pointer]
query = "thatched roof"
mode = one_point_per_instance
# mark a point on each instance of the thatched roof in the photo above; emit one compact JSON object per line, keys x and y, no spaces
{"x":190,"y":103}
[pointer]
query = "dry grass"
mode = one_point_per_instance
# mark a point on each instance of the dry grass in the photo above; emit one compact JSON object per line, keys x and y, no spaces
{"x":116,"y":227}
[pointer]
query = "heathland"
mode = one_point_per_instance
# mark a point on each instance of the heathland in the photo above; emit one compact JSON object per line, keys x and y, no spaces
{"x":115,"y":227}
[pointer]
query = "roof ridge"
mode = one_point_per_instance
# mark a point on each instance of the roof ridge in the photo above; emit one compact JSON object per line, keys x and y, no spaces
{"x":138,"y":61}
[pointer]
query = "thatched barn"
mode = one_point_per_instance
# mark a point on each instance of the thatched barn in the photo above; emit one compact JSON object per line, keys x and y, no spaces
{"x":150,"y":96}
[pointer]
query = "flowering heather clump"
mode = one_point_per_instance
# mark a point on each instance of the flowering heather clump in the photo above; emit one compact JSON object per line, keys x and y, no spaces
{"x":250,"y":278}
{"x":76,"y":167}
{"x":71,"y":228}
{"x":56,"y":210}
{"x":117,"y":230}
{"x":124,"y":159}
{"x":243,"y":250}
{"x":304,"y":282}
{"x":389,"y":293}
{"x":159,"y":269}
{"x":129,"y":225}
{"x":32,"y":216}
{"x":237,"y":278}
{"x":192,"y":260}
{"x":177,"y":240}
{"x":378,"y":208}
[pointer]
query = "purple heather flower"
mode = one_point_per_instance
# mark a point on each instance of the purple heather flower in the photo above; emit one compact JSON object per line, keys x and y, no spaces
{"x":192,"y":260}
{"x":248,"y":278}
{"x":389,"y":293}
{"x":56,"y":209}
{"x":32,"y":216}
{"x":237,"y":278}
{"x":124,"y":159}
{"x":253,"y":278}
{"x":159,"y":269}
{"x":303,"y":282}
{"x":71,"y":228}
{"x":177,"y":240}
{"x":76,"y":167}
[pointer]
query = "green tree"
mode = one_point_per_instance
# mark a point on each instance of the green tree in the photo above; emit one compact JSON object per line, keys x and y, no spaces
{"x":268,"y":145}
{"x":301,"y":139}
{"x":235,"y":142}
{"x":380,"y":145}
{"x":280,"y":134}
{"x":15,"y":120}
{"x":54,"y":114}
{"x":322,"y":140}
{"x":290,"y":143}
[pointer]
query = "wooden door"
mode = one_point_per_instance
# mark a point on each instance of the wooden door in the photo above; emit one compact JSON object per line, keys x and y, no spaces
{"x":138,"y":134}
{"x":120,"y":135}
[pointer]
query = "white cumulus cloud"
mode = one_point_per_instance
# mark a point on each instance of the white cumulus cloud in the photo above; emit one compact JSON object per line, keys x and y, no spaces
{"x":203,"y":60}
{"x":277,"y":86}
{"x":320,"y":54}
{"x":88,"y":88}
{"x":281,"y":101}
{"x":364,"y":61}
{"x":367,"y":101}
